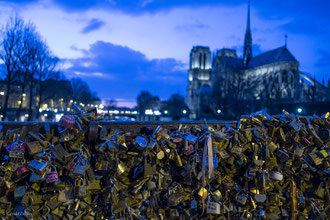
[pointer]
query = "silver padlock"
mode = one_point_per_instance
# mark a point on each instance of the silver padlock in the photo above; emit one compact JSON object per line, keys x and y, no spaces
{"x":213,"y":207}
{"x":79,"y":169}
{"x":38,"y":166}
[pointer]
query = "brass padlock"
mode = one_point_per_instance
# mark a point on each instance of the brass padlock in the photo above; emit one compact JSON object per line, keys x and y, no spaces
{"x":34,"y":147}
{"x":80,"y":188}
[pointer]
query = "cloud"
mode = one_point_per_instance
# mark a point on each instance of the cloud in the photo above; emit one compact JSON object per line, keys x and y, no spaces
{"x":93,"y":25}
{"x":124,"y":72}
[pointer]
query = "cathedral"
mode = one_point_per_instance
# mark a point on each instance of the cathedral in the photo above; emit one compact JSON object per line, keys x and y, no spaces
{"x":230,"y":86}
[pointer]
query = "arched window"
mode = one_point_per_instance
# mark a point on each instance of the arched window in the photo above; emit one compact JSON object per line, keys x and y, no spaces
{"x":285,"y":76}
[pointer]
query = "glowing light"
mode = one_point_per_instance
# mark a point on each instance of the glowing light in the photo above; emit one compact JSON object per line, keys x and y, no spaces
{"x":184,"y":111}
{"x":156,"y":112}
{"x":165,"y":112}
{"x":45,"y":115}
{"x":2,"y":93}
{"x":149,"y":112}
{"x":101,"y":106}
{"x":219,"y":111}
{"x":55,"y":110}
{"x":26,"y":115}
{"x":23,"y":94}
{"x":57,"y":117}
{"x":299,"y":110}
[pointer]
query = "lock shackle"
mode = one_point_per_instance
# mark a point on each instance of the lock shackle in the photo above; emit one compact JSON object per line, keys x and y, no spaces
{"x":51,"y":165}
{"x":83,"y":159}
{"x":28,"y":195}
{"x":79,"y":178}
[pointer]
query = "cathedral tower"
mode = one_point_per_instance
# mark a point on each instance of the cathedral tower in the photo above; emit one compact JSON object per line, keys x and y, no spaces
{"x":247,"y":40}
{"x":199,"y":80}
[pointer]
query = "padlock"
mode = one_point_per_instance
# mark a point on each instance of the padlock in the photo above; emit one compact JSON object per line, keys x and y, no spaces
{"x":80,"y":168}
{"x":17,"y":157}
{"x":21,"y":173}
{"x":241,"y":199}
{"x":148,"y":169}
{"x":191,"y":138}
{"x":71,"y":165}
{"x":213,"y":207}
{"x":189,"y":149}
{"x":275,"y":175}
{"x":35,"y":178}
{"x":102,"y":165}
{"x":141,"y":142}
{"x":60,"y":153}
{"x":80,"y":188}
{"x":38,"y":166}
{"x":33,"y":147}
{"x":224,"y":155}
{"x":260,"y":198}
{"x":19,"y":192}
{"x":66,"y":195}
{"x":174,"y":214}
{"x":51,"y":175}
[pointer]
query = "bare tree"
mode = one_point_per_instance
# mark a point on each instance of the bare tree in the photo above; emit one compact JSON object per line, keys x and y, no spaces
{"x":46,"y":70}
{"x":25,"y":53}
{"x":12,"y":34}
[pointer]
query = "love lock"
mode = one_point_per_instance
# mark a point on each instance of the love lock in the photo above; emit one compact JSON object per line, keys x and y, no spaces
{"x":51,"y":175}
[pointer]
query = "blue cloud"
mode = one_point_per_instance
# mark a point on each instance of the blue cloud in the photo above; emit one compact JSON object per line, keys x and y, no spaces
{"x":123,"y":72}
{"x":93,"y":24}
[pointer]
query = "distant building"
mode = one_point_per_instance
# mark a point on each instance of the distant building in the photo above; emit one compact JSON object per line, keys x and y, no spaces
{"x":262,"y":80}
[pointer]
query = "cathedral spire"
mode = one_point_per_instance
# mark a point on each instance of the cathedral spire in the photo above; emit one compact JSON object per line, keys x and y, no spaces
{"x":247,"y":40}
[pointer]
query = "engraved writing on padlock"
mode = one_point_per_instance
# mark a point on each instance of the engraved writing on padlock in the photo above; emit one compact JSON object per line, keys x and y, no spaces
{"x":80,"y":168}
{"x":16,"y":157}
{"x":52,"y":175}
{"x":213,"y":208}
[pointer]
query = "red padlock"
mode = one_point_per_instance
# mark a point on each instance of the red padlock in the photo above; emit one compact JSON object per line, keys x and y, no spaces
{"x":69,"y":167}
{"x":67,"y":121}
{"x":189,"y":149}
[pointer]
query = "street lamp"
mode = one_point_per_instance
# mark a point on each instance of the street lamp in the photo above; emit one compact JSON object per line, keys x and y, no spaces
{"x":219,"y":111}
{"x":299,"y":110}
{"x":184,"y":111}
{"x":165,"y":112}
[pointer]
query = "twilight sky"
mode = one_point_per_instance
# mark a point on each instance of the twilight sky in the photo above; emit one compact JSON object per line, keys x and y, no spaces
{"x":121,"y":47}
